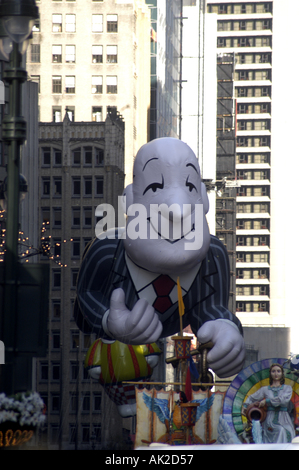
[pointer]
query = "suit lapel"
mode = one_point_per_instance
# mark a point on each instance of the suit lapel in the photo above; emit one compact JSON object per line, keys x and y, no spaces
{"x":202,"y":287}
{"x":122,"y":278}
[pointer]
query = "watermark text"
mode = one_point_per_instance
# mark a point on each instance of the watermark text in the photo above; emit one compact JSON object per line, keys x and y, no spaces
{"x":158,"y":221}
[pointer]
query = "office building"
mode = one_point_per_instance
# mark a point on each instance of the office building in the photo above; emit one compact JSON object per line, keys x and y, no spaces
{"x":254,"y":32}
{"x":91,"y":56}
{"x":81,"y":166}
{"x":166,"y":55}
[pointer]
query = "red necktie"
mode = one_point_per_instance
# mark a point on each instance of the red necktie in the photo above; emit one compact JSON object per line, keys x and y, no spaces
{"x":163,"y":285}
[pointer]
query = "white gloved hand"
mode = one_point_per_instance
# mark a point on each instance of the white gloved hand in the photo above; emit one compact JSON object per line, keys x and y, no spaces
{"x":227,"y":356}
{"x":139,"y":326}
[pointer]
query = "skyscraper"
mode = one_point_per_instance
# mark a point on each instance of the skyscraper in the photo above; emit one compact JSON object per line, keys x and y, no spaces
{"x":254,"y":32}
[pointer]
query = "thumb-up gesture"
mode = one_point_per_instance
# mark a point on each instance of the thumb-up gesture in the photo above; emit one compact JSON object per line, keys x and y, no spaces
{"x":140,"y":325}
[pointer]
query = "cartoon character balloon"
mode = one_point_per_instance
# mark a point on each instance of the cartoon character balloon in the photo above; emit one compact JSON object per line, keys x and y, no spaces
{"x":126,"y":287}
{"x":112,"y":362}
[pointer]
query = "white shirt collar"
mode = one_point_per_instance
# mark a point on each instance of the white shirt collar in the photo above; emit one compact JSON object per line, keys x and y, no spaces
{"x":142,"y":278}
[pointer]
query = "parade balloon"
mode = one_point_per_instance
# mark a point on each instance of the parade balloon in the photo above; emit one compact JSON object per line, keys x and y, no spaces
{"x":112,"y":363}
{"x":127,"y":287}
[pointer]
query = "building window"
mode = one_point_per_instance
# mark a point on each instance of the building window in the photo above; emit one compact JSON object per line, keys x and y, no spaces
{"x":57,"y":23}
{"x":76,"y":186}
{"x":70,"y":110}
{"x":74,"y":276}
{"x":55,"y":340}
{"x":76,"y":217}
{"x":56,"y":84}
{"x":57,"y":217}
{"x":97,"y":54}
{"x":96,"y":114}
{"x":76,"y":248}
{"x":55,"y":402}
{"x":70,"y":23}
{"x":70,"y":54}
{"x":45,"y":215}
{"x":96,"y":84}
{"x":56,"y":113}
{"x":73,"y":433}
{"x":57,"y":157}
{"x":44,"y":371}
{"x":35,"y":53}
{"x":75,"y":339}
{"x":111,"y":81}
{"x":46,"y":186}
{"x":57,"y":187}
{"x":97,"y":24}
{"x":86,"y":402}
{"x":97,"y":401}
{"x":112,"y":24}
{"x":56,"y":273}
{"x":99,"y":157}
{"x":70,"y":84}
{"x":87,"y":217}
{"x":56,"y":54}
{"x":57,"y":247}
{"x":74,"y":370}
{"x":55,"y":370}
{"x":56,"y":309}
{"x":85,"y":433}
{"x":100,"y":186}
{"x":111,"y":54}
{"x":76,"y":156}
{"x":88,"y":186}
{"x":46,"y":156}
{"x":87,"y":156}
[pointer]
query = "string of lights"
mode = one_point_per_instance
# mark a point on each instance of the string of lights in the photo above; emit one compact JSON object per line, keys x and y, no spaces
{"x":48,"y":248}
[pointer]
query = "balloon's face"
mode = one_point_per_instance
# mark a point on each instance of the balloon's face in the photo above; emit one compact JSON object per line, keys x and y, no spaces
{"x":171,"y":204}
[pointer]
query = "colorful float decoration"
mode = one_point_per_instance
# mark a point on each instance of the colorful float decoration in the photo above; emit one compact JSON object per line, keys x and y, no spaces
{"x":249,"y":381}
{"x":112,"y":363}
{"x":190,"y":413}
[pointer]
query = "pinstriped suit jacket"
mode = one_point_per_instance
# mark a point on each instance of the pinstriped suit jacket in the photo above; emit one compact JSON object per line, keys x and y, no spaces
{"x":104,"y":269}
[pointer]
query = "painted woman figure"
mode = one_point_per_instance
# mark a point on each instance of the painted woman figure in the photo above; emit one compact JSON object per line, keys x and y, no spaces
{"x":278,"y":426}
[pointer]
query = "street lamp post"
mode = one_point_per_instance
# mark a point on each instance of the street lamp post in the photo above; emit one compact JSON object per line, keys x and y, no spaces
{"x":18,"y":18}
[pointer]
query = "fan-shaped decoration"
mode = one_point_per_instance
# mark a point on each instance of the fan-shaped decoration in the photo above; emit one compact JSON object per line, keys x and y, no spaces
{"x":248,"y":381}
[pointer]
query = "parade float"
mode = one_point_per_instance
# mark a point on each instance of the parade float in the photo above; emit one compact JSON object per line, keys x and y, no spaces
{"x":193,"y":412}
{"x":160,"y":274}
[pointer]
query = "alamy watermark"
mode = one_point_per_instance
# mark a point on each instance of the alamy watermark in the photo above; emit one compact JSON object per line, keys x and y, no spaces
{"x":171,"y":223}
{"x":2,"y":353}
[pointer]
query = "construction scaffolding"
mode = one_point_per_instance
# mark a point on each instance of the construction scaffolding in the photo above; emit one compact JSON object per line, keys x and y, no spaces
{"x":226,"y":165}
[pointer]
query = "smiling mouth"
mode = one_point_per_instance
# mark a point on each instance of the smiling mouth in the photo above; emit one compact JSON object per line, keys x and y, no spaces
{"x":168,"y":239}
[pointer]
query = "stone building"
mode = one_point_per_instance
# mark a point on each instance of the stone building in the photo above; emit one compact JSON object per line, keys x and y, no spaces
{"x":90,"y":56}
{"x":81,"y":166}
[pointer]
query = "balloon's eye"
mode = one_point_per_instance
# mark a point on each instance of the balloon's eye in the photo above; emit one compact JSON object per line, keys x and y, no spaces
{"x":154,"y":186}
{"x":191,"y":186}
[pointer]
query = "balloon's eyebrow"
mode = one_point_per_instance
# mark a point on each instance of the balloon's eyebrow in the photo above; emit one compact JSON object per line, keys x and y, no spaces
{"x":154,"y":158}
{"x":191,"y":164}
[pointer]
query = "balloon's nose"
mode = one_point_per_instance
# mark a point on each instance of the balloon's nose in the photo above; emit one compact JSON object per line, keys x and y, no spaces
{"x":178,"y":204}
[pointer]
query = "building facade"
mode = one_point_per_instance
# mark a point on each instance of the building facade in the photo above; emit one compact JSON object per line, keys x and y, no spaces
{"x":166,"y":55}
{"x":91,"y":56}
{"x":81,"y":166}
{"x":254,"y":32}
{"x":245,"y":29}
